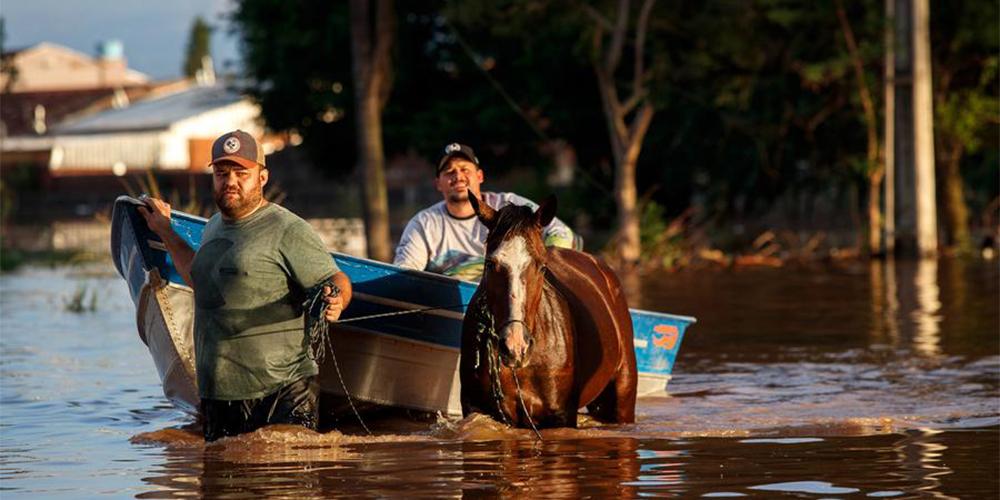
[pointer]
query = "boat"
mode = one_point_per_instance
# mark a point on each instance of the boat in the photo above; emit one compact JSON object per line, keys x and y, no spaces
{"x":396,"y":345}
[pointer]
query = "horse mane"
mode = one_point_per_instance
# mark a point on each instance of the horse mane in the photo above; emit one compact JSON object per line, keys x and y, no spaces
{"x":513,"y":219}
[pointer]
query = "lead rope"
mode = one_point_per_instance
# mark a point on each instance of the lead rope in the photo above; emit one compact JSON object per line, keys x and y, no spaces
{"x":486,"y":326}
{"x":318,"y":331}
{"x":523,"y":406}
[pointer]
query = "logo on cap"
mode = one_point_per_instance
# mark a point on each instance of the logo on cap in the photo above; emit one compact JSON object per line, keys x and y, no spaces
{"x":231,"y":145}
{"x":451,"y":148}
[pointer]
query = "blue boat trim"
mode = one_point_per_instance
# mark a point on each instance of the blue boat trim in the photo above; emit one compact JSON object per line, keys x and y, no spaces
{"x":379,"y":288}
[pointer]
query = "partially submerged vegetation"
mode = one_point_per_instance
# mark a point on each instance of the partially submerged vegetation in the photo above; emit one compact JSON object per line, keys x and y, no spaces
{"x":79,"y":302}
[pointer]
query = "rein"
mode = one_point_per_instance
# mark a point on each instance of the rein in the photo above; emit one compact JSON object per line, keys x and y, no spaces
{"x":398,"y":313}
{"x":486,"y":325}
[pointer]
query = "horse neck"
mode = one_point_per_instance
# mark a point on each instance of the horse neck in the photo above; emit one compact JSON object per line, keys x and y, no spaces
{"x":553,"y":312}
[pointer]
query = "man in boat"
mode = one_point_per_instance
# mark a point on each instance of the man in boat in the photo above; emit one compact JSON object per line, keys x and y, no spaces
{"x":446,"y":237}
{"x":257,"y":265}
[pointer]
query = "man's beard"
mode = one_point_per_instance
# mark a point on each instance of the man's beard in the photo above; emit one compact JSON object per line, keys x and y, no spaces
{"x":458,"y":196}
{"x":239,"y":206}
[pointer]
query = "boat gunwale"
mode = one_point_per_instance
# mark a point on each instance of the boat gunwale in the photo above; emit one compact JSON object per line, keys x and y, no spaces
{"x":380,"y":265}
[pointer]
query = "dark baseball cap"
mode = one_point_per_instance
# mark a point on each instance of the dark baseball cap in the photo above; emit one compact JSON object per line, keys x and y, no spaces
{"x":455,"y":149}
{"x":239,"y":147}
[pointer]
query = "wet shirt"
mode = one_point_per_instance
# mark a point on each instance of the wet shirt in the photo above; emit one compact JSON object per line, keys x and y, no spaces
{"x":436,"y":241}
{"x":250,"y":277}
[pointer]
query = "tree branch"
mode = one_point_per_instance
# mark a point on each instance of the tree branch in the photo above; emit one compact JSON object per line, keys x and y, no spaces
{"x":863,"y":92}
{"x":614,"y":54}
{"x":602,"y":22}
{"x":633,"y":101}
{"x":640,"y":46}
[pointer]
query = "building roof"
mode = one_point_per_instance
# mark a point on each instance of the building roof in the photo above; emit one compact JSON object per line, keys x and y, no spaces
{"x":157,"y":113}
{"x":50,"y":67}
{"x":18,"y":110}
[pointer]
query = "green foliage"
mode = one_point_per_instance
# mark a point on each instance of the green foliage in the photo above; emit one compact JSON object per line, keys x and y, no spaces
{"x":756,"y":99}
{"x":6,"y":60}
{"x":198,"y":47}
{"x":297,"y":58}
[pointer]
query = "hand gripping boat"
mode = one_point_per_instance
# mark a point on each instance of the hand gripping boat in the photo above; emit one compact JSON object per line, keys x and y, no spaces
{"x":400,"y":360}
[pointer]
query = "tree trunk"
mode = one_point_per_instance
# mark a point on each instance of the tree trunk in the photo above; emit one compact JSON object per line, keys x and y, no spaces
{"x":628,"y":215}
{"x":955,"y":210}
{"x":875,"y":167}
{"x":889,"y":139}
{"x":370,"y":68}
{"x":875,"y":214}
{"x":626,"y":138}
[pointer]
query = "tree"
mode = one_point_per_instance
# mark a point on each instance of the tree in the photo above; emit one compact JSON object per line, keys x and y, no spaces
{"x":628,"y":120}
{"x":874,"y":168}
{"x":612,"y":32}
{"x":371,"y":44}
{"x":198,"y":47}
{"x":966,"y":103}
{"x":7,"y":66}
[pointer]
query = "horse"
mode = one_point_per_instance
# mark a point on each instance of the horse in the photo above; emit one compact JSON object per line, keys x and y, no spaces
{"x":548,"y":330}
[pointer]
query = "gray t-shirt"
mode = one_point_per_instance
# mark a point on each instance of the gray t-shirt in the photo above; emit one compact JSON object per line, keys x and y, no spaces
{"x":250,"y":277}
{"x":436,"y":241}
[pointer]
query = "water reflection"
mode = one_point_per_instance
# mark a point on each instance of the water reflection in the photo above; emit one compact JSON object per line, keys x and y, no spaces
{"x":907,"y":292}
{"x":925,"y":315}
{"x":920,"y":455}
{"x":271,"y":466}
{"x":884,"y":301}
{"x":785,"y":379}
{"x":283,"y":464}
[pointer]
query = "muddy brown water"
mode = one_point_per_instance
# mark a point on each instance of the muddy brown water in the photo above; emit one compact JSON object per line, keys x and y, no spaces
{"x":873,"y":380}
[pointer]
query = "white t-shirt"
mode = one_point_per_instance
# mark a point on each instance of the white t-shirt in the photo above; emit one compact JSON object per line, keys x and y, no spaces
{"x":436,"y":241}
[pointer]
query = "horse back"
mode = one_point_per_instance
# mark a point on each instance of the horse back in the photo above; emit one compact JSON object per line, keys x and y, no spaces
{"x":602,"y":324}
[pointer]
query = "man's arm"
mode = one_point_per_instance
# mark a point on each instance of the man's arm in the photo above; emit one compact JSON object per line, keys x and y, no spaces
{"x":556,"y":234}
{"x":340,"y":302}
{"x":412,"y":252}
{"x":157,"y":215}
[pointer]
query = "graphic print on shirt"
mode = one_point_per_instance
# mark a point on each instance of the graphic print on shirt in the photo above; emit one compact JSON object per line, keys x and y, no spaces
{"x":458,"y":265}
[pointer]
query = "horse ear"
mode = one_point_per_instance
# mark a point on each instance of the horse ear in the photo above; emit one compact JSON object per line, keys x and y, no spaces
{"x":485,"y":212}
{"x":546,"y":211}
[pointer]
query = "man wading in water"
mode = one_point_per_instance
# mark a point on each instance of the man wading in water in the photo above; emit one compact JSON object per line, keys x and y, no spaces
{"x":257,"y":264}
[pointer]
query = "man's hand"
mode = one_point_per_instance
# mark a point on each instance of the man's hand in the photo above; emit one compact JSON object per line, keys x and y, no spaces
{"x":157,"y":215}
{"x":335,"y":305}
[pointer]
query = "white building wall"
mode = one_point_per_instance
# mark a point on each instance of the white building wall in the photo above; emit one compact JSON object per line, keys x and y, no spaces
{"x":162,"y":149}
{"x":242,"y":115}
{"x":137,"y":150}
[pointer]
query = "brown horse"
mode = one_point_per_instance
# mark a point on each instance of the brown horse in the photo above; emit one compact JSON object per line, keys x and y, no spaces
{"x":548,"y":330}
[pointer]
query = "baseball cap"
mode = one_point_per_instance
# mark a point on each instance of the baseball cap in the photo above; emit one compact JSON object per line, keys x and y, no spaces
{"x":455,"y":149}
{"x":239,"y":147}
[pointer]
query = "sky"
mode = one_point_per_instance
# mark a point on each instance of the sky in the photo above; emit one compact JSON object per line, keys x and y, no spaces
{"x":154,"y":33}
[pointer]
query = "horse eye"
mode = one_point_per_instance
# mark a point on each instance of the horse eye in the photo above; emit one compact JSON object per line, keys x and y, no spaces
{"x":490,"y":265}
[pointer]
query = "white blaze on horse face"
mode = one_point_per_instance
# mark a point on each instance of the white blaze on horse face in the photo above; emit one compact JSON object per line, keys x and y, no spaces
{"x":513,"y":254}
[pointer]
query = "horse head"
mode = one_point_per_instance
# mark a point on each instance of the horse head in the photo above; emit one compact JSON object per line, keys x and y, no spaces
{"x":514,"y":272}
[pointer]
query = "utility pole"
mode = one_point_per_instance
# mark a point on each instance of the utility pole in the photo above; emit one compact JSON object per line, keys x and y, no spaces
{"x":889,"y":142}
{"x":913,"y":131}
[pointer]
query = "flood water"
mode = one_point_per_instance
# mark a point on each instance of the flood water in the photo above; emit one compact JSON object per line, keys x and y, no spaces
{"x":862,"y":381}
